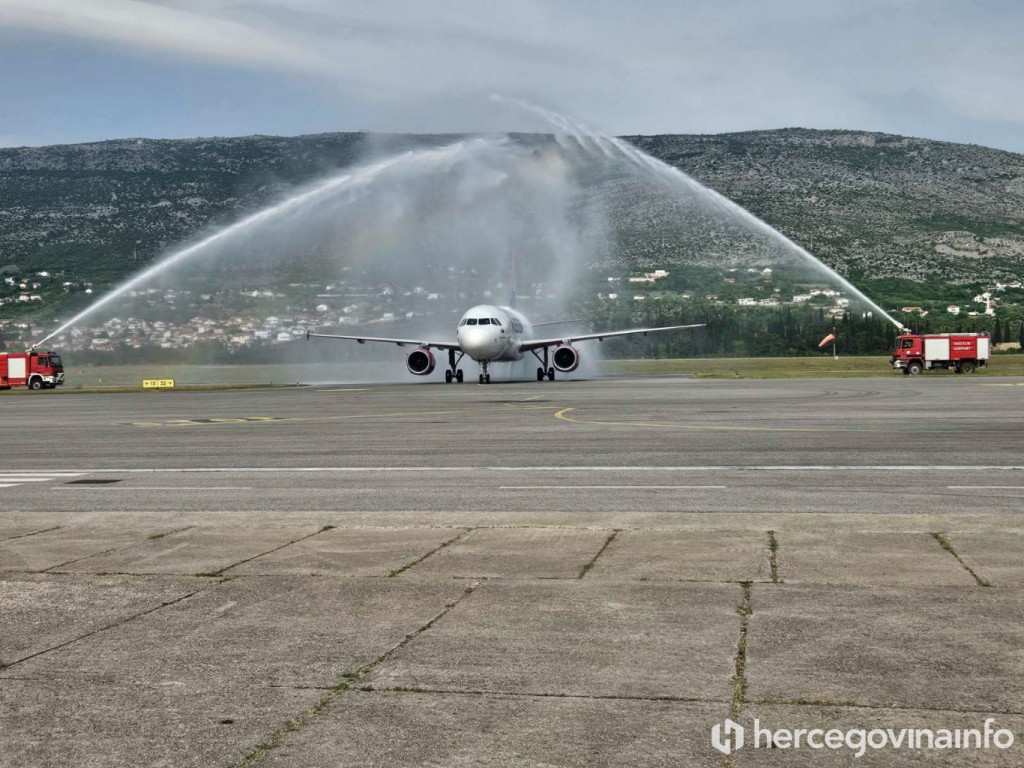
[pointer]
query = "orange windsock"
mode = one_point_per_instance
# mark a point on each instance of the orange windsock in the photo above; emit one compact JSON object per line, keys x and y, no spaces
{"x":826,"y":340}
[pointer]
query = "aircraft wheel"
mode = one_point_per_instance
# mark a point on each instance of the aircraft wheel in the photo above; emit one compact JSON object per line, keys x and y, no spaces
{"x":487,"y":379}
{"x":481,"y":378}
{"x":551,"y":374}
{"x":458,"y":375}
{"x":447,"y":377}
{"x":540,"y":374}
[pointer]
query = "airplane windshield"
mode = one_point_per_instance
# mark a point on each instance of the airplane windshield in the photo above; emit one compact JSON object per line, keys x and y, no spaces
{"x":485,"y":321}
{"x":471,"y":321}
{"x":494,"y":321}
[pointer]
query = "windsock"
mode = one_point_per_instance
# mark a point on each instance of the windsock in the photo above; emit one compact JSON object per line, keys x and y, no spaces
{"x":826,"y":340}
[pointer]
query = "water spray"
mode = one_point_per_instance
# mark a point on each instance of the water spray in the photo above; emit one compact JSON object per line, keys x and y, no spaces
{"x":610,"y":145}
{"x":322,"y":190}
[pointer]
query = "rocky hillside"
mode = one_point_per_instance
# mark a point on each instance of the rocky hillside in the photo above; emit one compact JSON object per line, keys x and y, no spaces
{"x":871,"y":205}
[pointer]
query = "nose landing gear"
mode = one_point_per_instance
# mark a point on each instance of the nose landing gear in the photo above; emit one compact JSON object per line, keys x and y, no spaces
{"x":485,"y":377}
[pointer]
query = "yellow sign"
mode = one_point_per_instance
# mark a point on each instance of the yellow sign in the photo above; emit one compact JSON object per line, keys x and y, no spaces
{"x":157,"y":383}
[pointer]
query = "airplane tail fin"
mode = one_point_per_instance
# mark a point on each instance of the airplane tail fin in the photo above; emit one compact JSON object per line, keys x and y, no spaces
{"x":513,"y":279}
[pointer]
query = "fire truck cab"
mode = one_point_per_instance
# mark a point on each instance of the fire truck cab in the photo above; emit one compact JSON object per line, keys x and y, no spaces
{"x":35,"y":370}
{"x":963,"y":352}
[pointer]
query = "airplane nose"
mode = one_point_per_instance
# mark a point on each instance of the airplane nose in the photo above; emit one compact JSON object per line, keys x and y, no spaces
{"x":480,"y":342}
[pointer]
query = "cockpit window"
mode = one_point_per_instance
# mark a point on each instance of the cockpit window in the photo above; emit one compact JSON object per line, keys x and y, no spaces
{"x":471,"y":321}
{"x":485,"y":321}
{"x":494,"y":321}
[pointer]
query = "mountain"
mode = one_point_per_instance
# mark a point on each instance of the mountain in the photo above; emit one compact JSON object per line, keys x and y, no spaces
{"x":871,"y":205}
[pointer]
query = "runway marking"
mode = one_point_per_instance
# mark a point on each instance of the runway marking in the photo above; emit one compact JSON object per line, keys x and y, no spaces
{"x":282,"y":419}
{"x":14,"y":479}
{"x":711,"y":427}
{"x":351,"y":389}
{"x":165,"y":488}
{"x":986,"y":487}
{"x":608,"y":487}
{"x":578,"y":468}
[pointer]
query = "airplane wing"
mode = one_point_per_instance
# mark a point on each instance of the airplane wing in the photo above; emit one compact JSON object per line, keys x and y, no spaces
{"x":399,"y":342}
{"x":526,"y":346}
{"x":554,"y":322}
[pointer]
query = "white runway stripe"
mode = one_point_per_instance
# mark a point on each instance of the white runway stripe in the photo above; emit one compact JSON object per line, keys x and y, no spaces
{"x":648,"y":468}
{"x":14,"y":479}
{"x":609,"y":487}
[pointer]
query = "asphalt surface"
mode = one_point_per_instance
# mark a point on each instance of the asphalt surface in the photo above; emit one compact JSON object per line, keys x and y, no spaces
{"x":671,"y":444}
{"x":567,"y":573}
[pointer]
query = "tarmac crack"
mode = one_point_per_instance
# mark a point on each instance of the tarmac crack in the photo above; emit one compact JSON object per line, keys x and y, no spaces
{"x":434,"y":551}
{"x":30,"y":533}
{"x":114,"y":625}
{"x":948,"y":546}
{"x":53,"y":568}
{"x":220,"y":571}
{"x":773,"y":557}
{"x":534,"y":694}
{"x":587,"y":566}
{"x":350,"y":678}
{"x":739,"y":680}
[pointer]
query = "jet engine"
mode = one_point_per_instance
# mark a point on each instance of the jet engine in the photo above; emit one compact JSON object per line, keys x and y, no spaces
{"x":566,"y":359}
{"x":421,"y":361}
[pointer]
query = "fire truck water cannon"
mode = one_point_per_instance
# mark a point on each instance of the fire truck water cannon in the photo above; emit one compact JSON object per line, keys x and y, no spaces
{"x":961,"y":352}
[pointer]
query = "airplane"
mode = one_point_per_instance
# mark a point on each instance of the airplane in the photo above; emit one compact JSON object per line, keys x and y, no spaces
{"x":491,"y":334}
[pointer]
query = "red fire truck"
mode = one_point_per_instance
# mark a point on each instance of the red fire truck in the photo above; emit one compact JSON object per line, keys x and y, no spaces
{"x":963,"y":352}
{"x":35,"y":370}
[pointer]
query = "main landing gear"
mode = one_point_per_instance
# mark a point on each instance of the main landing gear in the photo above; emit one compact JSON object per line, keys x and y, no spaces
{"x":545,"y":369}
{"x":454,"y":373}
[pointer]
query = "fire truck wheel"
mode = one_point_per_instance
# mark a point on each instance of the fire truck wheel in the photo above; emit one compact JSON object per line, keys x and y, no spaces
{"x":914,"y":368}
{"x":967,"y":367}
{"x":35,"y":384}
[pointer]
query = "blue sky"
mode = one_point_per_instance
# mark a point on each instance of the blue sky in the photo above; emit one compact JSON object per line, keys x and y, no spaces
{"x":84,"y":70}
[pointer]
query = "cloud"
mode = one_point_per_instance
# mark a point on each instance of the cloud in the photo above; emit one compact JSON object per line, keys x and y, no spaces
{"x":657,"y":66}
{"x":149,"y":26}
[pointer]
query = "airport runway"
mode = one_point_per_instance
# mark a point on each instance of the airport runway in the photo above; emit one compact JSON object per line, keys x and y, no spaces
{"x":568,"y":573}
{"x":669,"y":444}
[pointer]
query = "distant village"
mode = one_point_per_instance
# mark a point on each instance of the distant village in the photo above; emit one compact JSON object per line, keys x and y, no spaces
{"x":180,"y":318}
{"x":989,"y":301}
{"x":771,"y":296}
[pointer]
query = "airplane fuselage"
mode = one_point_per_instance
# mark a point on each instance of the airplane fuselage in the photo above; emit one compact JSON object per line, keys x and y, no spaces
{"x":493,"y":334}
